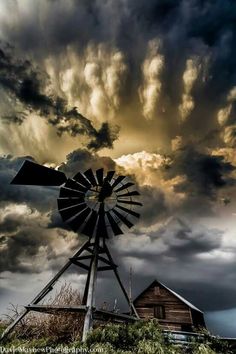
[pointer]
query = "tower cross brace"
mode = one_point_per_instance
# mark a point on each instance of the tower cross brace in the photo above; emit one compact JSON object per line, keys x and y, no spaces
{"x":96,"y":252}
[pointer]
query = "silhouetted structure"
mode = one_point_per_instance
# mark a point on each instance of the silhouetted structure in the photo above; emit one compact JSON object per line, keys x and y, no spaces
{"x":96,"y":205}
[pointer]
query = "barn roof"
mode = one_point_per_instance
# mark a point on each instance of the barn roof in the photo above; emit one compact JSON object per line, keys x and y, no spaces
{"x":181,"y":298}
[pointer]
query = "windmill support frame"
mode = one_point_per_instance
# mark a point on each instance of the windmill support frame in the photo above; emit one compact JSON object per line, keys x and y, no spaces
{"x":94,"y":249}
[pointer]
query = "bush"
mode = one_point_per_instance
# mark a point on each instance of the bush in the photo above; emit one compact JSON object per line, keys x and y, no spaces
{"x":146,"y":337}
{"x":61,"y":328}
{"x":139,"y":337}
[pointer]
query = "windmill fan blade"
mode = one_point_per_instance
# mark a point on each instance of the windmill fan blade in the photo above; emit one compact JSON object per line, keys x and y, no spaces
{"x":129,"y":194}
{"x":101,"y":227}
{"x":34,"y":174}
{"x":69,"y":193}
{"x":79,"y":219}
{"x":90,"y":176}
{"x":128,"y":211}
{"x":125,"y":186}
{"x":114,"y":226}
{"x":90,"y":224}
{"x":109,"y":175}
{"x":122,"y":218}
{"x":117,"y":181}
{"x":75,"y":186}
{"x":82,"y":180}
{"x":131,"y":202}
{"x":99,"y":174}
{"x":64,"y":203}
{"x":92,"y":202}
{"x":72,"y":211}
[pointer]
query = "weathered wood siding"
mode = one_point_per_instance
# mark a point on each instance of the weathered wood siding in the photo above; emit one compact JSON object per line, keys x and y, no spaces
{"x":177,"y":314}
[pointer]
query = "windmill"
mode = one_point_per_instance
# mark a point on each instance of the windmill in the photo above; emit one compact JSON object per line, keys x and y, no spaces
{"x":97,"y":205}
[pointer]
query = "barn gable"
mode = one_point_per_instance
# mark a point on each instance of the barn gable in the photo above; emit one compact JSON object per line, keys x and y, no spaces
{"x":172,"y":310}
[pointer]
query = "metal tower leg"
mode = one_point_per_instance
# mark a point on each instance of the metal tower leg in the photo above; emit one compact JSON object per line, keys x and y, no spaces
{"x":85,"y":296}
{"x":94,"y":249}
{"x":120,"y":282}
{"x":92,"y":277}
{"x":43,"y":292}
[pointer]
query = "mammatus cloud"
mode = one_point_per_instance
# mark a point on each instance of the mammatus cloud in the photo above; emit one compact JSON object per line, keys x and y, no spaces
{"x":224,"y":113}
{"x":25,"y":89}
{"x":190,"y":75}
{"x":119,"y":79}
{"x":105,"y":74}
{"x":150,"y":90}
{"x":226,"y":119}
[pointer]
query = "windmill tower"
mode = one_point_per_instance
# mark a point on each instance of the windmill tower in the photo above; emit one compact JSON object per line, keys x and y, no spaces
{"x":95,"y":205}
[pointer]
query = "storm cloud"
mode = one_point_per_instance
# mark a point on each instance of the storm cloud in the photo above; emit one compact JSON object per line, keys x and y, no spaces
{"x":204,"y":173}
{"x":157,"y":81}
{"x":126,"y":77}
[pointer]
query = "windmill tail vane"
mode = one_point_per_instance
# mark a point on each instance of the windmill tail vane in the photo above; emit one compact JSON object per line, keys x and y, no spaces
{"x":97,"y":205}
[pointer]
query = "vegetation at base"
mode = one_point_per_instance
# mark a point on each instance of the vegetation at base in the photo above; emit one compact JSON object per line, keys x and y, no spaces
{"x":148,"y":338}
{"x":38,"y":330}
{"x":62,"y":328}
{"x":142,"y":337}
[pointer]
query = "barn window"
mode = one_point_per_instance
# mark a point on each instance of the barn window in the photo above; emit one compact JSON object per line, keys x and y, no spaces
{"x":159,"y":311}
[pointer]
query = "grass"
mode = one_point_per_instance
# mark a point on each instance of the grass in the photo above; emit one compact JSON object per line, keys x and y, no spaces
{"x":138,"y":338}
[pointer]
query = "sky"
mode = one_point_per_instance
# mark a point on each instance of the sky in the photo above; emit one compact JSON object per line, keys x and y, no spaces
{"x":147,"y":88}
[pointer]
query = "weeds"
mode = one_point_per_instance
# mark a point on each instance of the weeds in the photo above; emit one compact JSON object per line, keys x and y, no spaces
{"x":63,"y":327}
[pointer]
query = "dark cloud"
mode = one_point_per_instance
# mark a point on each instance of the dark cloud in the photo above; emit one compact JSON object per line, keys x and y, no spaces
{"x":31,"y":248}
{"x":222,"y":295}
{"x":181,"y":256}
{"x":82,"y":160}
{"x":25,"y":86}
{"x":23,"y":218}
{"x":104,"y":137}
{"x":27,"y":244}
{"x":174,"y":239}
{"x":184,"y":241}
{"x":79,"y":125}
{"x":204,"y":174}
{"x":154,"y":205}
{"x":21,"y":248}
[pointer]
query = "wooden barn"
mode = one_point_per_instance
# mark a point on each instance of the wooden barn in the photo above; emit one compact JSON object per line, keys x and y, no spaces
{"x":172,"y":310}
